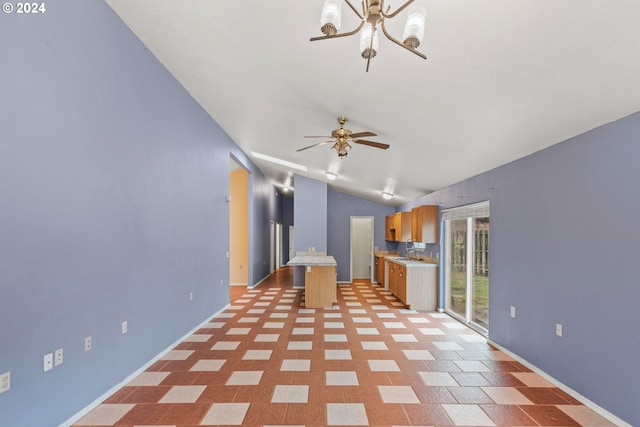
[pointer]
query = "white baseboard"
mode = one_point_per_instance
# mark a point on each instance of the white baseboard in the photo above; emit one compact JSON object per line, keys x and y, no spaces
{"x":260,"y":281}
{"x":571,"y":392}
{"x":140,"y":370}
{"x":237,"y":284}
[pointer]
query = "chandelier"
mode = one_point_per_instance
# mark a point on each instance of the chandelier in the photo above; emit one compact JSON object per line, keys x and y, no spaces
{"x":372,"y":18}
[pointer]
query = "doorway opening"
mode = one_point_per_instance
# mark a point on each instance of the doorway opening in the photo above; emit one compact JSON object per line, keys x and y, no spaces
{"x":275,"y":246}
{"x":238,"y":225}
{"x":362,"y":256}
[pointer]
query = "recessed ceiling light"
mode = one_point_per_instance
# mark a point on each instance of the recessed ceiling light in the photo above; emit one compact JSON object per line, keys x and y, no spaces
{"x":331,"y":176}
{"x":387,"y":195}
{"x":278,"y":161}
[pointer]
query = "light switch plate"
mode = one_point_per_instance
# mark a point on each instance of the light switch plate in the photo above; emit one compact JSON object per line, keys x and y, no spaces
{"x":5,"y":382}
{"x":47,"y":363}
{"x":559,"y":329}
{"x":58,"y":357}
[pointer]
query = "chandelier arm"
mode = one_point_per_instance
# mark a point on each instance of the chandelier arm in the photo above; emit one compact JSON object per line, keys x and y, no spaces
{"x":400,"y":9}
{"x":353,"y":8}
{"x":373,"y":35}
{"x":333,"y":36}
{"x":384,"y":30}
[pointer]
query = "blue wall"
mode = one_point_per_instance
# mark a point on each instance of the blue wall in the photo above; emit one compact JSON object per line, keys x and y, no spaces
{"x":310,"y":214}
{"x":565,"y":227}
{"x":340,"y":208}
{"x":310,"y":219}
{"x":112,"y":181}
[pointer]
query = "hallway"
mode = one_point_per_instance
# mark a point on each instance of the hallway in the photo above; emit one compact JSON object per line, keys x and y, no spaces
{"x":268,"y":361}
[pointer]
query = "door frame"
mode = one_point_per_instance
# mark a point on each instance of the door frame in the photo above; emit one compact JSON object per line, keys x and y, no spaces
{"x":272,"y":244}
{"x":469,"y":213}
{"x":372,"y":248}
{"x":278,"y":248}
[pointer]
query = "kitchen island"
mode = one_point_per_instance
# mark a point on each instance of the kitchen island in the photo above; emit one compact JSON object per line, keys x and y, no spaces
{"x":319,"y":279}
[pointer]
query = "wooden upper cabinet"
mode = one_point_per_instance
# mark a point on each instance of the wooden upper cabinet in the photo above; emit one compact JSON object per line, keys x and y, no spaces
{"x":403,"y":226}
{"x":390,"y":228}
{"x":424,"y":224}
{"x":398,"y":227}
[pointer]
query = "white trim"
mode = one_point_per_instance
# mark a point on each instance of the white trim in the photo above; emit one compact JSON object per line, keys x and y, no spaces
{"x":586,"y":402}
{"x":371,"y":220}
{"x":475,"y":210}
{"x":261,"y":280}
{"x":84,"y":411}
{"x":237,"y":284}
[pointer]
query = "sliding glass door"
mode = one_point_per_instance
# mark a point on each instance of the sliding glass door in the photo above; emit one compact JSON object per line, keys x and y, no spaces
{"x":480,"y":279}
{"x":456,"y":261}
{"x":466,"y":261}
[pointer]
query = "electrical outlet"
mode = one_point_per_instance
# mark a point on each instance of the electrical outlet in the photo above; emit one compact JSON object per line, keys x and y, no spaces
{"x":5,"y":382}
{"x":221,"y":282}
{"x":125,"y":327}
{"x":227,"y":254}
{"x":559,"y":329}
{"x":190,"y":296}
{"x":48,"y":362}
{"x":513,"y":311}
{"x":57,"y":360}
{"x":87,"y":344}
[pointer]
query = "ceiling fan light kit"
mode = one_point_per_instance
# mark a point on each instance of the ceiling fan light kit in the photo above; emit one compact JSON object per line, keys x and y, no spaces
{"x":341,"y":137}
{"x":373,"y":18}
{"x":386,"y":195}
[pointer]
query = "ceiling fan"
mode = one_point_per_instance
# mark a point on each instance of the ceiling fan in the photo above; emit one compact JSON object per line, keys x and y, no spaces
{"x":341,"y":137}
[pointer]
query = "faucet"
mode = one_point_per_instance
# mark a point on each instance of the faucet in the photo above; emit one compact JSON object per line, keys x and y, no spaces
{"x":411,"y":250}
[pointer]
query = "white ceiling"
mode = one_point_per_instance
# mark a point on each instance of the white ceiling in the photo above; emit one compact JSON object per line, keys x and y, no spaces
{"x":503,"y":79}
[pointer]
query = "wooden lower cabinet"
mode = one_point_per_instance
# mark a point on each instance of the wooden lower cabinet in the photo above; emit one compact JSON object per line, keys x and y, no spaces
{"x":380,"y":270}
{"x":416,"y":287}
{"x":320,"y":286}
{"x":401,"y":278}
{"x":391,"y":278}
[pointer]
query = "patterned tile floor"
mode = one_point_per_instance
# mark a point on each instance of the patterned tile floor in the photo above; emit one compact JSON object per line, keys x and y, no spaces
{"x":268,"y":361}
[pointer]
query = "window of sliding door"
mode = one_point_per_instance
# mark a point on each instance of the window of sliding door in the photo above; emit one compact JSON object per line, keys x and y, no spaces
{"x":466,"y":261}
{"x":456,"y":262}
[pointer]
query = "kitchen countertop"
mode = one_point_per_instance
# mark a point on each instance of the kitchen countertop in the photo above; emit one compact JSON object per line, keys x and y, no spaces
{"x":320,"y":260}
{"x":410,"y":262}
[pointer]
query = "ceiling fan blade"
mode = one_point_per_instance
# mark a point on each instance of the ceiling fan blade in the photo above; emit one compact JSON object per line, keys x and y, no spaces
{"x":317,"y":137}
{"x":314,"y":145}
{"x":371,"y":143}
{"x":359,"y":134}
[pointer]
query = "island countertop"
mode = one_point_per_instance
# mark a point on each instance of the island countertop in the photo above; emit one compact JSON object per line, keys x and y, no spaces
{"x":319,"y":260}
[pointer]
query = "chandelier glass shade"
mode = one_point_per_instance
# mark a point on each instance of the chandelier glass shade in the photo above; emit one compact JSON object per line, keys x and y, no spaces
{"x":372,"y":19}
{"x":342,"y":147}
